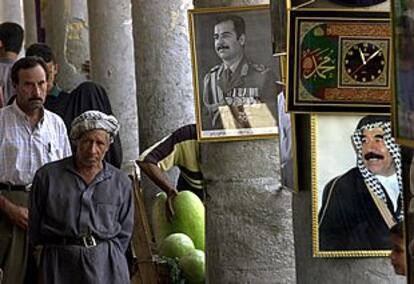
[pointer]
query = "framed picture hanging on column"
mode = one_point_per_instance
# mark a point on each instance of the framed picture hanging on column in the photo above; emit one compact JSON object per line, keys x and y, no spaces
{"x":348,"y":219}
{"x":234,"y":73}
{"x":339,"y":61}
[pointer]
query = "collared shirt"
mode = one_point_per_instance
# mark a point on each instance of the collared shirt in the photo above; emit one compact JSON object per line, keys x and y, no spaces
{"x":63,"y":205}
{"x":23,"y":150}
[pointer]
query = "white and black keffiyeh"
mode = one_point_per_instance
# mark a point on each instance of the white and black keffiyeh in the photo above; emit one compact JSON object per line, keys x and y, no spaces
{"x":371,"y":181}
{"x":91,"y":120}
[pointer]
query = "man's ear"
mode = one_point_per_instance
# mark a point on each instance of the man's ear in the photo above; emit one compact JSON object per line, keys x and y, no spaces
{"x":242,"y":39}
{"x":1,"y":44}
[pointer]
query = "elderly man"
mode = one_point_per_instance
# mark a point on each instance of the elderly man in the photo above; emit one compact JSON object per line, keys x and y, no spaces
{"x":360,"y":206}
{"x":30,"y":136}
{"x":81,"y":209}
{"x":236,"y":82}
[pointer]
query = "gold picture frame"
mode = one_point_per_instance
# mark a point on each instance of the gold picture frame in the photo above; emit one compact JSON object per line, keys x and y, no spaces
{"x":331,"y":145}
{"x":244,"y":106}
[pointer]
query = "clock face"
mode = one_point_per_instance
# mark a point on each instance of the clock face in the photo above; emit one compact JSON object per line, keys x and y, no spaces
{"x":364,"y":62}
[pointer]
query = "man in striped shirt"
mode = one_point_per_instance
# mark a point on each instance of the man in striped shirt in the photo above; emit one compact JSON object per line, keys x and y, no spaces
{"x":30,"y":136}
{"x":179,"y":149}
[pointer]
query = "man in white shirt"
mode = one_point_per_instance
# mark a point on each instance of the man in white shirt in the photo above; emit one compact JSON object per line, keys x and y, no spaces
{"x":30,"y":136}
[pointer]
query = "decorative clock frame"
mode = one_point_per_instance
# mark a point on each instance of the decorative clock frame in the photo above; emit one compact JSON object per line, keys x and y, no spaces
{"x":320,"y":61}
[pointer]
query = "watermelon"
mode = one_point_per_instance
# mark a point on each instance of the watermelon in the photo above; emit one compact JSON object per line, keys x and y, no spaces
{"x":188,"y":219}
{"x":193,"y":266}
{"x":176,"y":245}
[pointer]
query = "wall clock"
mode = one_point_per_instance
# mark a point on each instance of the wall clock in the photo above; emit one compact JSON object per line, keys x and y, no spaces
{"x":339,"y":61}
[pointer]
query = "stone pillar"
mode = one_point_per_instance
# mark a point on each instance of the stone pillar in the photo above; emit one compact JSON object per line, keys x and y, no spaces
{"x":163,"y":70}
{"x":162,"y":53}
{"x":66,"y":29}
{"x":249,"y":217}
{"x":30,"y":25}
{"x":11,"y":11}
{"x":113,"y":65}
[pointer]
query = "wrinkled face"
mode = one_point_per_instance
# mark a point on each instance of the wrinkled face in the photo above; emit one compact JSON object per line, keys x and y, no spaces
{"x":91,"y":148}
{"x":226,"y":43}
{"x":52,"y":70}
{"x":31,"y":88}
{"x":377,"y":159}
{"x":397,"y":255}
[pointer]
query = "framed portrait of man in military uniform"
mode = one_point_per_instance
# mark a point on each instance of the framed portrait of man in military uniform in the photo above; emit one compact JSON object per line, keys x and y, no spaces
{"x":234,"y":73}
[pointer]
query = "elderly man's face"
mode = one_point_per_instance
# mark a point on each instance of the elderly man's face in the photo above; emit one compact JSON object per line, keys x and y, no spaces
{"x":397,"y":255}
{"x":91,"y":148}
{"x":375,"y":154}
{"x":226,"y":43}
{"x":31,"y":88}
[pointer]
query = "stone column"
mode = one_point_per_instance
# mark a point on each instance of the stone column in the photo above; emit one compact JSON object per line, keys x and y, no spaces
{"x":66,"y":29}
{"x":30,"y":25}
{"x":249,"y":217}
{"x":11,"y":11}
{"x":113,"y":65}
{"x":163,"y":70}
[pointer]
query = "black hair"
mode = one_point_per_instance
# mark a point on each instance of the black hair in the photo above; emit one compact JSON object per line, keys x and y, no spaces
{"x":397,"y":229}
{"x":27,"y":63}
{"x":238,"y":22}
{"x":11,"y":35}
{"x":42,"y":50}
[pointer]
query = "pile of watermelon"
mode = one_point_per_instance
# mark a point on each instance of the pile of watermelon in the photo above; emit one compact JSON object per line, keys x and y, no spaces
{"x":182,"y":238}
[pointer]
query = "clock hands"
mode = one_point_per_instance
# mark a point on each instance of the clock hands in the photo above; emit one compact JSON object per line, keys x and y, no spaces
{"x":364,"y":62}
{"x":373,"y":55}
{"x":362,"y":56}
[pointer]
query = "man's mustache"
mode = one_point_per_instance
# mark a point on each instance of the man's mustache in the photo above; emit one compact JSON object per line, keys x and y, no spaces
{"x":35,"y":99}
{"x":372,"y":155}
{"x":220,"y":47}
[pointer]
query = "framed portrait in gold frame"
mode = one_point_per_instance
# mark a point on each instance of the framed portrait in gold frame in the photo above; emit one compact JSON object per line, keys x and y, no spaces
{"x":339,"y":61}
{"x":340,"y":226}
{"x":234,"y":73}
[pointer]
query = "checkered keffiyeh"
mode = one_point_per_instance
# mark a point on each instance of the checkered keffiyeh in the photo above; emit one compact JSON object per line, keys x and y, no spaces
{"x":91,"y":120}
{"x":371,"y":181}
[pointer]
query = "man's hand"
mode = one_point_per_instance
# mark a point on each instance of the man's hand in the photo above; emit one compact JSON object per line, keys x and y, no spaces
{"x":18,"y":215}
{"x":172,"y":193}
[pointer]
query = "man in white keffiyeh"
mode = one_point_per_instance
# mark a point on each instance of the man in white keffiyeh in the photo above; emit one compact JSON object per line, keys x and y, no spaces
{"x":82,"y":211}
{"x":360,"y":206}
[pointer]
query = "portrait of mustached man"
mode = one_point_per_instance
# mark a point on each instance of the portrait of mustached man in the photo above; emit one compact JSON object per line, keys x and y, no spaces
{"x":360,"y":206}
{"x":236,"y":81}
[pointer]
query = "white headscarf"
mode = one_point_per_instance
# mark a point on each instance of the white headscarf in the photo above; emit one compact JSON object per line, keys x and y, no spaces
{"x":91,"y":120}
